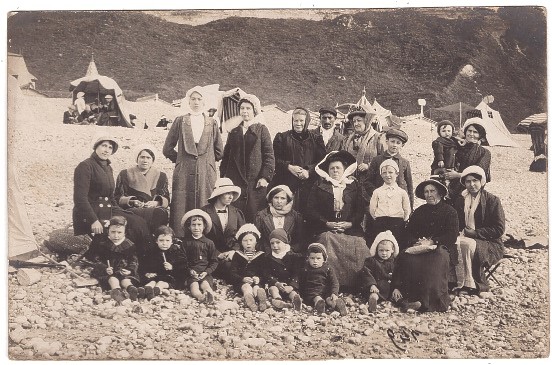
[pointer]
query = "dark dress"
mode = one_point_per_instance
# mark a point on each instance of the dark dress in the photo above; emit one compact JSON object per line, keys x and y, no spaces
{"x":202,"y":257}
{"x":152,"y":262}
{"x":424,"y":277}
{"x":246,"y":159}
{"x":490,"y":224}
{"x":155,"y":216}
{"x":94,"y":200}
{"x":293,"y":225}
{"x":122,"y":256}
{"x":304,"y":150}
{"x":242,"y":267}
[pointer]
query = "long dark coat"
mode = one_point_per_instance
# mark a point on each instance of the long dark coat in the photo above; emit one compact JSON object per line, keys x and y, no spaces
{"x":289,"y":150}
{"x":245,"y":160}
{"x":490,"y":224}
{"x":195,"y":171}
{"x":335,"y":143}
{"x":293,"y":225}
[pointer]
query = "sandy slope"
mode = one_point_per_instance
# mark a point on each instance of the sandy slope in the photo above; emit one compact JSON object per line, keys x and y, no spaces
{"x":513,"y":322}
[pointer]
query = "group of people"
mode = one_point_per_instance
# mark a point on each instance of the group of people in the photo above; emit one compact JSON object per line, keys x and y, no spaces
{"x":101,"y":112}
{"x":295,"y":219}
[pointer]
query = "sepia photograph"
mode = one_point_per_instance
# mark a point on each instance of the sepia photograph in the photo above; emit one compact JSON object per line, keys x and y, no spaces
{"x":285,"y":183}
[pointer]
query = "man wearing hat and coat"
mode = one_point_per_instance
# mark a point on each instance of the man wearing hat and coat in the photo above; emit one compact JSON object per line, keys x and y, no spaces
{"x":333,"y":139}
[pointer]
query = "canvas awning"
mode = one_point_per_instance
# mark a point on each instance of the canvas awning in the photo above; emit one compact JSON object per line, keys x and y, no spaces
{"x":540,"y":119}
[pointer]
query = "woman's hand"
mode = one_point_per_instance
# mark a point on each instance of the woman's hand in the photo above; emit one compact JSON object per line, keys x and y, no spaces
{"x":136,"y":203}
{"x":441,"y":164}
{"x":295,"y":170}
{"x":303,"y":175}
{"x":374,"y":289}
{"x":396,"y":295}
{"x":332,"y":226}
{"x":262,"y":183}
{"x":345,"y":225}
{"x":124,"y":272}
{"x":424,"y":242}
{"x":151,"y":204}
{"x":450,"y":175}
{"x":362,"y":167}
{"x":167,"y":266}
{"x":97,"y":228}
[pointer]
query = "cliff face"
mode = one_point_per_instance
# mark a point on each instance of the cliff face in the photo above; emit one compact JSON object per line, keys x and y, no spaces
{"x":399,"y":55}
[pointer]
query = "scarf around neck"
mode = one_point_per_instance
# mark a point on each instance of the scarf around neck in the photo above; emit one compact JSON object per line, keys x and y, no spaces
{"x":280,"y":212}
{"x":446,"y":142}
{"x":358,"y":144}
{"x":141,"y":182}
{"x":284,"y":252}
{"x":470,"y":205}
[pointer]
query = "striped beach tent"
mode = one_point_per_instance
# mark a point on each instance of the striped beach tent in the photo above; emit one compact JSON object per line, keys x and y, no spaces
{"x":539,"y":119}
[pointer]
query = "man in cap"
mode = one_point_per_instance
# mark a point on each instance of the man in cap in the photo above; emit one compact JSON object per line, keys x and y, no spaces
{"x":333,"y":140}
{"x":109,"y":105}
{"x":70,"y":115}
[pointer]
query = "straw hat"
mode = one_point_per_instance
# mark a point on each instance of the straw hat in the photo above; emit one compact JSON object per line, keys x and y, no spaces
{"x":98,"y":141}
{"x":202,"y":214}
{"x":224,"y":185}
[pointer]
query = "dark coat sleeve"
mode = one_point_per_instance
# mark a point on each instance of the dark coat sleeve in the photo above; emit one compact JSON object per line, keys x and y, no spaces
{"x":438,"y":151}
{"x":212,"y":255}
{"x":279,"y":147}
{"x":449,"y":230}
{"x":366,"y":277}
{"x":313,"y":214}
{"x":121,"y":190}
{"x":132,"y":260}
{"x":319,"y":153}
{"x":371,"y":179}
{"x":226,"y":155}
{"x":333,"y":282}
{"x":298,"y":242}
{"x":236,"y":269}
{"x":217,"y":139}
{"x":172,"y":140}
{"x":162,"y":194}
{"x":494,"y":221}
{"x":82,"y":179}
{"x":267,"y":153}
{"x":179,"y":261}
{"x":409,"y":183}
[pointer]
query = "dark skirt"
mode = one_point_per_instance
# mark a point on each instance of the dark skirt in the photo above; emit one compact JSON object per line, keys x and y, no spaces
{"x":424,"y":278}
{"x":154,"y":217}
{"x":487,"y":253}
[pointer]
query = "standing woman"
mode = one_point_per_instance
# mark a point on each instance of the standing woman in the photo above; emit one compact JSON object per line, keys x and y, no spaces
{"x":297,"y":152}
{"x":93,"y":197}
{"x":144,"y":190}
{"x":199,"y":147}
{"x":472,"y":153}
{"x":248,"y":158}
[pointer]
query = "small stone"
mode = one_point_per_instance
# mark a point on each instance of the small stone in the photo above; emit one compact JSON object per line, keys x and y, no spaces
{"x":486,"y":295}
{"x":18,"y":335}
{"x":123,"y":354}
{"x":452,"y":354}
{"x":255,"y":342}
{"x":423,"y":328}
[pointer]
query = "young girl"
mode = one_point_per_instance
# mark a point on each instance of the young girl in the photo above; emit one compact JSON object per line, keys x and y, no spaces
{"x":318,"y":282}
{"x":164,"y":265}
{"x":201,"y":254}
{"x":375,"y":276}
{"x":247,"y":268}
{"x":116,"y":260}
{"x":279,"y":269}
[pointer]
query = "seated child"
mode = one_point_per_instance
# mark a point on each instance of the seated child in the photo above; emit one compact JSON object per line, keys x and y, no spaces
{"x":318,"y":283}
{"x":164,"y":265}
{"x":389,"y":204}
{"x":201,"y":254}
{"x":375,"y":276}
{"x":279,"y":269}
{"x":247,"y":267}
{"x":116,"y":260}
{"x":444,"y":149}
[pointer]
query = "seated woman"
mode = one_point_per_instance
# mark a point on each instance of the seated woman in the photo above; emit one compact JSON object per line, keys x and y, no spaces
{"x":482,"y":223}
{"x":335,"y":211}
{"x":280,"y":214}
{"x":94,"y":201}
{"x":144,"y":190}
{"x":421,"y":275}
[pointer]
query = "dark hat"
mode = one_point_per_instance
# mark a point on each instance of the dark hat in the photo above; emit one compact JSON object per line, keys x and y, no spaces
{"x":324,"y":110}
{"x":281,"y":234}
{"x":397,"y":133}
{"x":345,"y":157}
{"x":442,"y":123}
{"x":360,"y":113}
{"x":431,"y":181}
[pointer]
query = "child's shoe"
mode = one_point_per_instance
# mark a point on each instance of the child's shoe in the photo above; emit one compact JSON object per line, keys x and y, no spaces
{"x":132,"y":293}
{"x":117,"y":295}
{"x":297,"y":302}
{"x":261,"y":296}
{"x":149,"y":292}
{"x":372,"y":304}
{"x":406,"y":305}
{"x":156,"y":291}
{"x":340,"y":306}
{"x":141,"y":292}
{"x":250,"y":302}
{"x":320,"y":306}
{"x":278,"y":303}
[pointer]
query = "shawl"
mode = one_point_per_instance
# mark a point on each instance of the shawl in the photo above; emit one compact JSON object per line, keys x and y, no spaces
{"x":280,"y":212}
{"x":446,"y":142}
{"x":360,"y":142}
{"x":470,"y":205}
{"x":141,"y":182}
{"x":304,"y":133}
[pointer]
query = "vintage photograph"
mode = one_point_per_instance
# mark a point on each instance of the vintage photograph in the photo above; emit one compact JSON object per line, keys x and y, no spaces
{"x":277,"y":184}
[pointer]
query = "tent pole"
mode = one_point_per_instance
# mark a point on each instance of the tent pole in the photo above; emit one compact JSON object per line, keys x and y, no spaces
{"x":460,"y":115}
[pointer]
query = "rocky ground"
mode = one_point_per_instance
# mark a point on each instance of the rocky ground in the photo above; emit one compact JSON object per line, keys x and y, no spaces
{"x":53,"y":319}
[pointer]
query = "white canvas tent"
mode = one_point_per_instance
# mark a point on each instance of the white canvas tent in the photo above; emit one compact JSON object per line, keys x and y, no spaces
{"x":497,"y":133}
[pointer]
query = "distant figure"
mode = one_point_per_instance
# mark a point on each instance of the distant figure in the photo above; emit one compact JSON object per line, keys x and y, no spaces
{"x":108,"y":116}
{"x":163,"y":122}
{"x":70,"y":116}
{"x":80,"y":105}
{"x":133,"y":119}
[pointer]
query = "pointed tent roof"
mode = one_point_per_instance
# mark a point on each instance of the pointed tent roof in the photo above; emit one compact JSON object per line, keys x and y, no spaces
{"x":497,"y":133}
{"x":18,"y":68}
{"x":363,"y":101}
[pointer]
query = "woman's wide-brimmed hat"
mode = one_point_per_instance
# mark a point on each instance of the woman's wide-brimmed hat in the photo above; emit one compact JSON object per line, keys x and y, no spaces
{"x":224,"y":185}
{"x":431,"y":181}
{"x":345,"y":157}
{"x":202,"y":214}
{"x":98,"y":141}
{"x":474,"y":170}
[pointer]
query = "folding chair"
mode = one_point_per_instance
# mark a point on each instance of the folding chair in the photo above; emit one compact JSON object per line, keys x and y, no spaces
{"x":489,"y":270}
